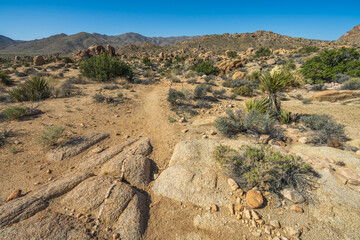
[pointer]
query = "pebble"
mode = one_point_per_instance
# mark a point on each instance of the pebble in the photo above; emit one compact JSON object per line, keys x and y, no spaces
{"x":275,"y":224}
{"x":14,"y":195}
{"x":296,"y":208}
{"x":256,"y":234}
{"x":214,"y":208}
{"x":255,"y":215}
{"x":293,"y":195}
{"x":293,"y":232}
{"x":231,"y":209}
{"x":184,"y":130}
{"x":247,"y":214}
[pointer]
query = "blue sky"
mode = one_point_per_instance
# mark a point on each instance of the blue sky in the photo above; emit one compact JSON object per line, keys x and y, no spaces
{"x":326,"y":20}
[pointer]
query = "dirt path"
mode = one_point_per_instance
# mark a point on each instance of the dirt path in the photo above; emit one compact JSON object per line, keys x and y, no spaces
{"x":157,"y":127}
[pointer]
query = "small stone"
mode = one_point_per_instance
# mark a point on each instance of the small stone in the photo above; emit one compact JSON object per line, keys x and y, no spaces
{"x":255,"y":215}
{"x":117,"y":116}
{"x":116,"y":236}
{"x":293,"y":232}
{"x":184,"y":130}
{"x":247,"y":214}
{"x":303,"y":140}
{"x":37,"y":183}
{"x":358,"y":153}
{"x":14,"y":195}
{"x":267,"y":230}
{"x":42,"y":167}
{"x":256,"y":234}
{"x":213,"y":132}
{"x":254,"y":199}
{"x":97,"y":150}
{"x":49,"y":171}
{"x":233,"y":185}
{"x":182,"y":120}
{"x":296,"y":208}
{"x":263,"y":139}
{"x":278,"y":204}
{"x":132,"y":90}
{"x":239,"y":208}
{"x":231,"y":209}
{"x":275,"y":224}
{"x":293,"y":195}
{"x":214,"y":208}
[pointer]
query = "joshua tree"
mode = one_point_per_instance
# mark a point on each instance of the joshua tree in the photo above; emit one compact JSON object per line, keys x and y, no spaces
{"x":272,"y":83}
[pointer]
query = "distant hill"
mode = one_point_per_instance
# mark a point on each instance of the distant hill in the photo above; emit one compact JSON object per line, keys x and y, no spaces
{"x":352,"y":37}
{"x":5,"y":41}
{"x":243,"y":41}
{"x":66,"y":44}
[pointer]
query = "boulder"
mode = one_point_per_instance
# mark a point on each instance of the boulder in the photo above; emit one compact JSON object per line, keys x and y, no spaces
{"x":238,"y":75}
{"x":39,"y":60}
{"x":292,"y":195}
{"x":75,"y":146}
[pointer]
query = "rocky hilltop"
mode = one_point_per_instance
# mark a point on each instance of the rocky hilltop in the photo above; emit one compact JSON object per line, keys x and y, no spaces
{"x":351,"y":37}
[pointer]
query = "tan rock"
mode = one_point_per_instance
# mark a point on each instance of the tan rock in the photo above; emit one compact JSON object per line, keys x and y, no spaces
{"x":254,"y":199}
{"x":247,"y":214}
{"x":296,"y":208}
{"x":231,"y":209}
{"x":292,"y":195}
{"x":238,"y":75}
{"x":275,"y":224}
{"x":14,"y":195}
{"x":39,"y":60}
{"x":233,"y":185}
{"x":263,"y":139}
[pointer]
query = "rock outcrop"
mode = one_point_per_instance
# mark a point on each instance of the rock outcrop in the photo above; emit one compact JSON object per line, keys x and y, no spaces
{"x":93,"y":50}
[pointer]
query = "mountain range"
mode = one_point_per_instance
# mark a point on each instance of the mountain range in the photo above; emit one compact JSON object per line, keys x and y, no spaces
{"x":66,"y":44}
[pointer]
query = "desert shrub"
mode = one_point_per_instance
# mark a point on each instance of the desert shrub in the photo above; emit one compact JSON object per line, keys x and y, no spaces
{"x":209,"y":78}
{"x":174,"y":96}
{"x":190,"y":74}
{"x":5,"y":78}
{"x":259,"y":166}
{"x":20,"y":74}
{"x":340,"y":78}
{"x":262,"y":52}
{"x":352,"y":84}
{"x":174,"y":79}
{"x":30,"y":71}
{"x":306,"y":101}
{"x":231,"y":125}
{"x":65,"y":89}
{"x":262,"y":123}
{"x":308,"y":49}
{"x":111,"y":87}
{"x":232,"y":54}
{"x":105,"y":68}
{"x":245,"y":91}
{"x":67,"y":59}
{"x":219,"y":93}
{"x":4,"y":135}
{"x":146,"y":61}
{"x":13,"y":113}
{"x":34,"y":89}
{"x":326,"y":130}
{"x":200,"y":91}
{"x":206,"y":68}
{"x":323,"y":68}
{"x":259,"y":105}
{"x":284,"y":117}
{"x":99,"y":97}
{"x":50,"y":135}
{"x":203,"y":104}
{"x":236,"y":83}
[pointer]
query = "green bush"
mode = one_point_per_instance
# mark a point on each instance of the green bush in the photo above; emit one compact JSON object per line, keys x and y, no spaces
{"x":219,"y":93}
{"x":259,"y":166}
{"x":352,"y":84}
{"x":174,"y":96}
{"x":34,"y":89}
{"x":105,"y":68}
{"x":231,"y":125}
{"x":262,"y":52}
{"x":329,"y":63}
{"x":146,"y":61}
{"x":50,"y":135}
{"x":67,"y":59}
{"x":326,"y":130}
{"x":206,"y":68}
{"x":262,"y":123}
{"x":13,"y":113}
{"x":308,"y":49}
{"x":5,"y":78}
{"x":200,"y":91}
{"x":284,"y":117}
{"x":245,"y":91}
{"x":232,"y":54}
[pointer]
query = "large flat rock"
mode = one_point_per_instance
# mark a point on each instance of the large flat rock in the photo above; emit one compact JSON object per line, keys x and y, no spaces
{"x":194,"y":176}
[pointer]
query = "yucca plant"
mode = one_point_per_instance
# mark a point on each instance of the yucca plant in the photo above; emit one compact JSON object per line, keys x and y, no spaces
{"x":259,"y":105}
{"x":34,"y":89}
{"x":272,"y":83}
